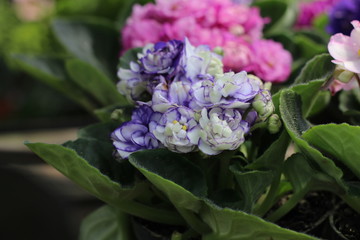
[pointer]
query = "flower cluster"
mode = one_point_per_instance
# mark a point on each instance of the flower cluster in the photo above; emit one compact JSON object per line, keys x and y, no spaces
{"x":193,"y":103}
{"x":346,"y":52}
{"x":235,"y":27}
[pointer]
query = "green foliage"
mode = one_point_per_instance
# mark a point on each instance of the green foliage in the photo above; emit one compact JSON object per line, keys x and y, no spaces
{"x":340,"y":142}
{"x":227,"y":224}
{"x":106,"y":223}
{"x":181,"y":181}
{"x":94,"y":41}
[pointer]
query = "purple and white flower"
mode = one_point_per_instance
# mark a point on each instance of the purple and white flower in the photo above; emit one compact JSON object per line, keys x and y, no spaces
{"x":170,"y":95}
{"x":131,"y":83}
{"x":200,"y":61}
{"x":162,"y":57}
{"x":134,"y":135}
{"x":177,"y":129}
{"x":235,"y":90}
{"x":221,"y":129}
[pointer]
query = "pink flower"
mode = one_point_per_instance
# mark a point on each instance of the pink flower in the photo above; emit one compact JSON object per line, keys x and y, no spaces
{"x":237,"y":55}
{"x":337,"y":85}
{"x":308,"y":11}
{"x":346,"y":49}
{"x":271,"y":62}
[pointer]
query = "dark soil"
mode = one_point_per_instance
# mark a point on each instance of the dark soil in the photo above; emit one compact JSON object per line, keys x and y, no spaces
{"x":346,"y":222}
{"x":323,"y":215}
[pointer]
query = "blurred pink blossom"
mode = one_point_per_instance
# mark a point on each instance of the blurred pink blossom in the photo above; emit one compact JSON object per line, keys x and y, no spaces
{"x":271,"y":61}
{"x":217,"y":23}
{"x":309,"y":10}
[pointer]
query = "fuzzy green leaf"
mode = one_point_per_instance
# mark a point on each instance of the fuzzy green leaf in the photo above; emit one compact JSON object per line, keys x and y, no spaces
{"x":319,"y":67}
{"x":228,"y":224}
{"x":339,"y":141}
{"x":296,"y":125}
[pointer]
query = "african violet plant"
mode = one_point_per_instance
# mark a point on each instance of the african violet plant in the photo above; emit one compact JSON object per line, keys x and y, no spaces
{"x":195,"y":150}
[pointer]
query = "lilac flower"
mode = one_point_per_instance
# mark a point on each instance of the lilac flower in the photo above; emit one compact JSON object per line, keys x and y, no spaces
{"x":235,"y":90}
{"x":162,"y":58}
{"x":134,"y":135}
{"x":342,"y":14}
{"x":169,"y":95}
{"x":200,"y":61}
{"x":131,"y":85}
{"x":177,"y":129}
{"x":221,"y":129}
{"x":202,"y":92}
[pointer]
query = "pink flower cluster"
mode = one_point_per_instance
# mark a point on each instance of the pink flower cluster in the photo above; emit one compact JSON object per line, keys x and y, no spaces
{"x":308,"y":11}
{"x":236,"y":28}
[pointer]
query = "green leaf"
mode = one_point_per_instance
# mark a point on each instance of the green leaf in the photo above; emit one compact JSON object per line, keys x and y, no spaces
{"x":308,"y":47}
{"x":281,"y":14}
{"x":337,"y":141}
{"x":106,"y":223}
{"x":252,"y":185}
{"x":51,"y":71}
{"x":350,"y":102}
{"x":303,"y":176}
{"x":181,"y":180}
{"x":98,"y":131}
{"x":307,"y":91}
{"x":274,"y":156}
{"x":290,"y":109}
{"x":94,"y":82}
{"x":130,"y":55}
{"x":319,"y":67}
{"x":76,"y":168}
{"x":227,"y":224}
{"x":298,"y":171}
{"x":94,"y":41}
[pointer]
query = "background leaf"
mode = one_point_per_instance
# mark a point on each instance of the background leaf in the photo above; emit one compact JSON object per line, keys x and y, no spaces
{"x":51,"y":71}
{"x":94,"y":82}
{"x":106,"y":223}
{"x":94,"y":41}
{"x":281,"y":14}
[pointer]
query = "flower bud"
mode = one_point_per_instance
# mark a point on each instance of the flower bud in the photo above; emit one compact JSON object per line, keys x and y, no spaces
{"x":343,"y":75}
{"x":274,"y":124}
{"x":263,"y":104}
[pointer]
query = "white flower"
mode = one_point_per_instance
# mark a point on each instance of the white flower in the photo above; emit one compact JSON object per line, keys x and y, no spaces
{"x":221,"y":129}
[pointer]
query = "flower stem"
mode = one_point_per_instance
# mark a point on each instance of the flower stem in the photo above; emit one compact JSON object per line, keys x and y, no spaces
{"x":224,"y":176}
{"x":290,"y":204}
{"x":150,"y":213}
{"x":270,"y":197}
{"x":193,"y":221}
